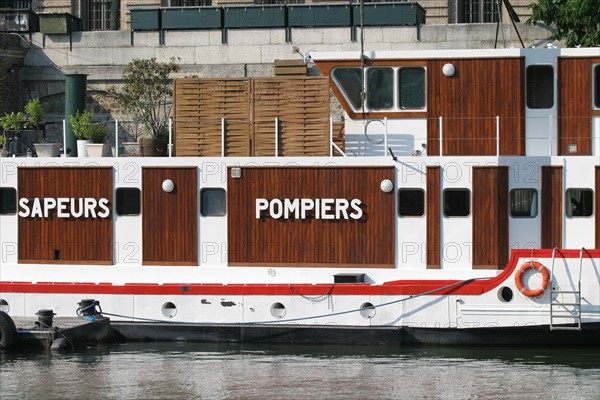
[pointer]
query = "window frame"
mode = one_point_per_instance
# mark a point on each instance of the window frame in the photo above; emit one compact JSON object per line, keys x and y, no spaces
{"x":201,"y":208}
{"x":510,"y":204}
{"x":16,"y":203}
{"x":117,"y":203}
{"x":568,"y":199}
{"x":424,"y":205}
{"x":596,"y":86}
{"x":458,"y":189}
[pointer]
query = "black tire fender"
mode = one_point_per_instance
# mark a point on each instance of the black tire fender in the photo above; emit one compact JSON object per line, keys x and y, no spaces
{"x":8,"y":331}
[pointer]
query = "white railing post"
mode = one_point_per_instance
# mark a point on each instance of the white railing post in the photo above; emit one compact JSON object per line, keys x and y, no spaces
{"x":170,"y":136}
{"x":222,"y":137}
{"x":276,"y":137}
{"x":116,"y":138}
{"x":65,"y":138}
{"x":441,"y":136}
{"x":550,"y":134}
{"x":497,"y":135}
{"x":385,"y":137}
{"x":330,"y":136}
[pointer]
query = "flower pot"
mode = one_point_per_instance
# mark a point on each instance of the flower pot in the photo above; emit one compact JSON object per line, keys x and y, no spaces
{"x":47,"y":149}
{"x":154,"y":147}
{"x":130,"y":149}
{"x":81,"y":148}
{"x":98,"y":149}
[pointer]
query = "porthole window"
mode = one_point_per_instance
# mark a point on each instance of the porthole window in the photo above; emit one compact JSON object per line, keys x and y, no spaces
{"x":278,"y":310}
{"x":8,"y":201}
{"x":457,"y":202}
{"x":523,"y":203}
{"x":213,"y":202}
{"x":579,"y":202}
{"x":540,"y":86}
{"x":128,"y":201}
{"x":411,"y":202}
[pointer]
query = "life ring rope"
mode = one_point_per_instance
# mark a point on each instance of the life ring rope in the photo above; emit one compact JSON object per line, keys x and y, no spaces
{"x":529,"y":292}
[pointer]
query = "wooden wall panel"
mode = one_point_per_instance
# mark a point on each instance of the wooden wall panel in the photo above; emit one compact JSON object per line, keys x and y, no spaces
{"x":170,"y":220}
{"x":552,"y":212}
{"x":575,"y":104}
{"x":366,"y":242}
{"x":490,"y":217}
{"x":302,"y":106}
{"x":597,"y":207}
{"x":469,"y":102}
{"x":66,"y":240}
{"x":433,"y":195}
{"x":199,"y":105}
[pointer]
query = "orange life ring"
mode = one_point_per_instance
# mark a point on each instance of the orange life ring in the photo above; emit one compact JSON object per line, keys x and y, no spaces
{"x":538,"y":267}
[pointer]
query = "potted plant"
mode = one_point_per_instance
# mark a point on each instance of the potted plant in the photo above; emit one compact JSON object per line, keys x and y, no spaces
{"x":3,"y":151}
{"x":13,"y":124}
{"x":97,"y":147}
{"x":82,"y":129}
{"x":35,"y":116}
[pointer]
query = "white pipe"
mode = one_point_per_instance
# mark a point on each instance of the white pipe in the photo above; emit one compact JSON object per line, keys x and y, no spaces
{"x":385,"y":137}
{"x":441,"y":136}
{"x":117,"y":138}
{"x":222,"y":137}
{"x":497,"y":135}
{"x":550,"y":134}
{"x":331,"y":137}
{"x":65,"y":137}
{"x":170,"y":136}
{"x":276,"y":137}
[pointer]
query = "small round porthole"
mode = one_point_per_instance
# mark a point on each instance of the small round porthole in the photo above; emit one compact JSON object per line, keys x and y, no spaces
{"x":278,"y":310}
{"x":4,"y":306}
{"x":367,"y":310}
{"x":169,"y":310}
{"x":505,"y":294}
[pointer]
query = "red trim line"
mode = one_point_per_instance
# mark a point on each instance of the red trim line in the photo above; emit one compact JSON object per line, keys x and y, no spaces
{"x":402,"y":287}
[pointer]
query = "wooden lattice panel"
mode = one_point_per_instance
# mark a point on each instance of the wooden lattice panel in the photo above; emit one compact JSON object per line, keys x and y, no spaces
{"x":302,"y":106}
{"x":200,"y":104}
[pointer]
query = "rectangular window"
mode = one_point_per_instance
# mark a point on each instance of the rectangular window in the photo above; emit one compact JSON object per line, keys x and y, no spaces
{"x":189,"y":3}
{"x":380,"y":88}
{"x":477,"y":11}
{"x":350,"y":83}
{"x":540,"y":86}
{"x":213,"y":202}
{"x":523,"y":203}
{"x":457,"y":202}
{"x":580,"y":202}
{"x":128,"y":201}
{"x":101,"y":15}
{"x":8,"y":201}
{"x":411,"y":86}
{"x":597,"y":86}
{"x":411,"y":202}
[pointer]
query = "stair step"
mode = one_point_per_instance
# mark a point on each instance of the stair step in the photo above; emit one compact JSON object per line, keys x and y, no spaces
{"x":565,"y":292}
{"x":565,"y":328}
{"x":565,"y":304}
{"x":572,"y":316}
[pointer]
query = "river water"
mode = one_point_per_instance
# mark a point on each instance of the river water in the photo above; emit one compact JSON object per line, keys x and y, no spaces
{"x":241,"y":371}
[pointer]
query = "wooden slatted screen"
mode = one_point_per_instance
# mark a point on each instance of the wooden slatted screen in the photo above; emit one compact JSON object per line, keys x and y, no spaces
{"x":200,"y":104}
{"x":433,"y":217}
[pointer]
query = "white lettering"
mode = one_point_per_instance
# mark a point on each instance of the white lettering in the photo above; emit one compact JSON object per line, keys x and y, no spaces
{"x":36,"y":209}
{"x":103,"y":204}
{"x":355,"y":204}
{"x":328,"y":208}
{"x":23,"y":204}
{"x":65,"y":207}
{"x":306,"y":205}
{"x":276,"y":208}
{"x":76,"y":208}
{"x":62,"y":207}
{"x":291,"y":206}
{"x":261,"y":205}
{"x":341,"y":208}
{"x":90,"y":207}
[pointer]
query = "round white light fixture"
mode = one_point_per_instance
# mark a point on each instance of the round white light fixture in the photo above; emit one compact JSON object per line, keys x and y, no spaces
{"x":386,"y":185}
{"x":168,"y":185}
{"x":448,"y":69}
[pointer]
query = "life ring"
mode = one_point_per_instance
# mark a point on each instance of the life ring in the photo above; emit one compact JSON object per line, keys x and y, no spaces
{"x":538,"y":267}
{"x":8,"y":331}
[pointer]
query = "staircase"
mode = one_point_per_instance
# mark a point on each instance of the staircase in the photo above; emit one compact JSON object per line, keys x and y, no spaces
{"x":565,"y":305}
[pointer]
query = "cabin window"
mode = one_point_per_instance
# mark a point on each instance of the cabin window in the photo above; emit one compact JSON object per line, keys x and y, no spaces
{"x":213,"y":202}
{"x":540,"y":86}
{"x":457,"y":202}
{"x":380,"y":88}
{"x":128,"y":201}
{"x":580,"y":202}
{"x":8,"y":201}
{"x":597,"y":86}
{"x":350,"y":81}
{"x":523,"y":203}
{"x":411,"y":202}
{"x":411,"y":86}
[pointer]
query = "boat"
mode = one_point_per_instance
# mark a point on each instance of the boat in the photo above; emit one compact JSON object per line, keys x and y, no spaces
{"x":456,"y":203}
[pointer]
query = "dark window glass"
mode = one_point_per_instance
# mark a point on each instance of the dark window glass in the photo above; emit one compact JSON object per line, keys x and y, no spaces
{"x":457,"y":202}
{"x":477,"y":11}
{"x":101,"y":15}
{"x":380,"y":88}
{"x":523,"y":203}
{"x":350,"y":81}
{"x":411,"y":81}
{"x":8,"y":201}
{"x":213,"y":202}
{"x":190,"y":3}
{"x":597,"y":86}
{"x":540,"y":86}
{"x":128,"y":201}
{"x":580,"y":202}
{"x":411,"y":202}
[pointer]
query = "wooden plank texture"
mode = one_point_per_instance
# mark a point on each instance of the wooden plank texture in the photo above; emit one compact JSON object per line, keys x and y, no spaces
{"x":170,"y":220}
{"x":367,"y":242}
{"x":490,"y":217}
{"x":552,"y":212}
{"x":433,"y":217}
{"x":66,"y":240}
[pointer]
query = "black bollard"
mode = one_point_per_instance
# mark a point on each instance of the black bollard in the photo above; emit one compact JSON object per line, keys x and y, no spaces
{"x":87,"y":307}
{"x":45,"y":318}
